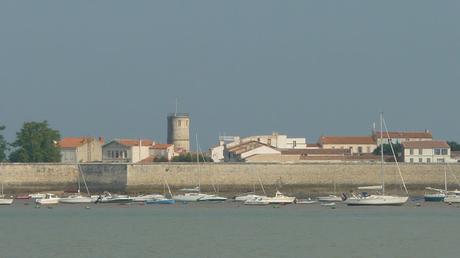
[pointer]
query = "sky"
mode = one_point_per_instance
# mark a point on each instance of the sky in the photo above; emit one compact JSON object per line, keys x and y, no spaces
{"x":241,"y":67}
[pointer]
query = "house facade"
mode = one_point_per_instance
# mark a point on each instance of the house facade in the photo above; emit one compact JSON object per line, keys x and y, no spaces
{"x":159,"y":151}
{"x":426,"y":152}
{"x":400,"y":137}
{"x":356,"y":144}
{"x":81,"y":149}
{"x":126,"y":150}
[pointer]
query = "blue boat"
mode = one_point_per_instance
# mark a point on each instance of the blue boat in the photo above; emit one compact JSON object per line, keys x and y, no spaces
{"x":160,"y":201}
{"x":437,"y":197}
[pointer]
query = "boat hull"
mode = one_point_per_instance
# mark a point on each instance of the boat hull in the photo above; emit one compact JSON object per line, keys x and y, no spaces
{"x":452,"y":199}
{"x":6,"y":201}
{"x":76,"y":200}
{"x":47,"y":201}
{"x":378,"y":200}
{"x":434,"y":197}
{"x":161,"y":201}
{"x":331,"y":198}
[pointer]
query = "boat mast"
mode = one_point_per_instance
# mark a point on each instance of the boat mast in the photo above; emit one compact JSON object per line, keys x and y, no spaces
{"x":84,"y":180}
{"x":198,"y":163}
{"x":381,"y":153}
{"x":445,"y":176}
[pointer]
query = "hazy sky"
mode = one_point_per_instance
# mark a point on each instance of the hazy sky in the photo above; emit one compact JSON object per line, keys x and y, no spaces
{"x":304,"y":68}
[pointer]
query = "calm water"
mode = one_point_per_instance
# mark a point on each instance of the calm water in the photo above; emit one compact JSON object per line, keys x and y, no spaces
{"x":229,"y":230}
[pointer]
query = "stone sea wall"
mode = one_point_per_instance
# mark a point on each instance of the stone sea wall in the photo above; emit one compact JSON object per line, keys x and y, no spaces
{"x":231,"y":178}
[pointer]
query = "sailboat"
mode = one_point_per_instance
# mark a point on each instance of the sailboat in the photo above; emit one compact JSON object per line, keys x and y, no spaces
{"x":331,"y":197}
{"x":162,"y":199}
{"x":381,"y":198}
{"x":252,"y":196}
{"x":5,"y":201}
{"x":453,"y":196}
{"x":78,"y":198}
{"x":439,"y":194}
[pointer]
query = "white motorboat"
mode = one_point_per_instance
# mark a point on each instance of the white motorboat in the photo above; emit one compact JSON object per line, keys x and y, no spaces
{"x":330,"y":198}
{"x":49,"y":199}
{"x":305,"y":201}
{"x":5,"y":201}
{"x":148,"y":197}
{"x":37,"y":195}
{"x":452,"y":197}
{"x":212,"y":198}
{"x":258,"y":201}
{"x":188,"y":197}
{"x":246,"y":197}
{"x":75,"y":199}
{"x":281,"y":199}
{"x":365,"y":199}
{"x":109,"y":198}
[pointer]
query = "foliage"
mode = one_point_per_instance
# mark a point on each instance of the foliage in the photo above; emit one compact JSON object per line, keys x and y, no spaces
{"x":160,"y":159}
{"x":387,"y":149}
{"x":454,"y":146}
{"x":3,"y":145}
{"x":36,"y":142}
{"x":191,"y":157}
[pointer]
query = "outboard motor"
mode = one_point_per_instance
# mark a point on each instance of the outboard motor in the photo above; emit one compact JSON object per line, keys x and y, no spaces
{"x":344,"y":196}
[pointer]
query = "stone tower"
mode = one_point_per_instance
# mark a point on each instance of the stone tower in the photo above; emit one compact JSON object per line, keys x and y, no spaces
{"x":179,"y":130}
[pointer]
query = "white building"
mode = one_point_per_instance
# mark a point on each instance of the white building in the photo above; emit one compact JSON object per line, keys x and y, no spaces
{"x":400,"y":137}
{"x":426,"y":152}
{"x":356,"y":144}
{"x":126,"y":150}
{"x":245,"y":150}
{"x":162,"y":151}
{"x":81,"y":149}
{"x":275,"y":140}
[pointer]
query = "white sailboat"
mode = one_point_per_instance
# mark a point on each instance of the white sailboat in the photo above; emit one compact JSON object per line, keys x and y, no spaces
{"x":452,"y":196}
{"x":365,"y":199}
{"x":331,"y":197}
{"x":78,"y":198}
{"x":5,"y":201}
{"x":252,"y":195}
{"x":437,"y":195}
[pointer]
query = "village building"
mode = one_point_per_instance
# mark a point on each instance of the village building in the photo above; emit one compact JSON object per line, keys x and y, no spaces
{"x":426,"y":152}
{"x":356,"y":144}
{"x":80,"y":149}
{"x":126,"y":150}
{"x":400,"y":137}
{"x":162,"y":151}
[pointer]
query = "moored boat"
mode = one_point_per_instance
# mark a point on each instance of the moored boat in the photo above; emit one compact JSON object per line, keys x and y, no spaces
{"x":280,"y":198}
{"x":109,"y":198}
{"x":330,"y":198}
{"x":75,"y":199}
{"x":147,"y":197}
{"x":258,"y":201}
{"x":160,"y":201}
{"x":49,"y":199}
{"x":5,"y":201}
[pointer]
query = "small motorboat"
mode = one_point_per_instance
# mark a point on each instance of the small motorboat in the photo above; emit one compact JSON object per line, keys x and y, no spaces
{"x":109,"y":198}
{"x":23,"y":197}
{"x":306,"y":201}
{"x":258,"y":201}
{"x":330,"y":198}
{"x":188,"y":197}
{"x":160,"y":201}
{"x":243,"y":198}
{"x":75,"y":199}
{"x":147,"y":197}
{"x":49,"y":199}
{"x":281,"y":199}
{"x":212,"y":198}
{"x":37,"y":195}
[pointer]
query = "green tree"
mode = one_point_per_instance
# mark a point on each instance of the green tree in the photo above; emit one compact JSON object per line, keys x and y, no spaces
{"x":3,"y":145}
{"x":387,"y":149}
{"x":189,"y":157}
{"x":454,"y":146}
{"x":36,"y":142}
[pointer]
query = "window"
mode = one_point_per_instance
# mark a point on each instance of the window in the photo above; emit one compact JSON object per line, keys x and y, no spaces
{"x":440,"y":160}
{"x":444,"y":151}
{"x":368,"y":149}
{"x":186,"y":123}
{"x":269,"y":141}
{"x":294,"y":143}
{"x":117,"y":154}
{"x":360,"y":149}
{"x":411,"y":160}
{"x":428,"y":160}
{"x":420,"y":151}
{"x":126,"y":154}
{"x":179,"y":123}
{"x":420,"y":160}
{"x":411,"y":151}
{"x":109,"y":154}
{"x":437,"y":151}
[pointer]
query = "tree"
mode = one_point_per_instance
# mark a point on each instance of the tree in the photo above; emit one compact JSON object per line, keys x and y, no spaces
{"x":36,"y":142}
{"x":454,"y":146}
{"x":387,"y":149}
{"x":190,"y":158}
{"x":3,"y":145}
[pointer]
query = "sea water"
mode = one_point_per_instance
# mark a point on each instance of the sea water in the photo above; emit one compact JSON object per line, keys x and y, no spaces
{"x":229,"y":230}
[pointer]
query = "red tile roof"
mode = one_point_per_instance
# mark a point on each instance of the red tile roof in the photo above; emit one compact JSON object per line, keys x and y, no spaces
{"x":405,"y":135}
{"x":324,"y":152}
{"x":135,"y":142}
{"x":74,"y":142}
{"x":425,"y":144}
{"x":347,"y":140}
{"x":161,"y":146}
